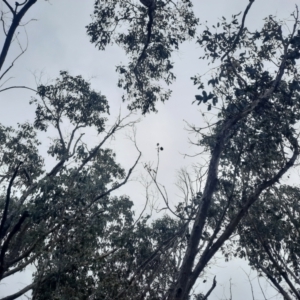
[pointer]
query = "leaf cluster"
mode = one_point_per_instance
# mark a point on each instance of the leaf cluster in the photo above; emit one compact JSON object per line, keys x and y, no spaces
{"x":148,"y":45}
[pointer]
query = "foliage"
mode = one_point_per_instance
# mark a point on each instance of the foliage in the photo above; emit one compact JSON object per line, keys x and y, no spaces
{"x":254,"y":141}
{"x":269,"y":236}
{"x":148,"y":38}
{"x":145,"y":266}
{"x":86,"y":243}
{"x":55,"y":218}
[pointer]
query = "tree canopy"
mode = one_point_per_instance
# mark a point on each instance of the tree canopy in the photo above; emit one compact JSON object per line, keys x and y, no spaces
{"x":152,"y":34}
{"x":87,"y":243}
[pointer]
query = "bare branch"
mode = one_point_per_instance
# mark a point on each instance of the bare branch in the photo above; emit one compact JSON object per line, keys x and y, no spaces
{"x":3,"y":23}
{"x":261,"y":289}
{"x":18,"y":87}
{"x":117,"y":126}
{"x":120,"y":184}
{"x":211,"y":289}
{"x":275,"y":283}
{"x":250,"y":282}
{"x":21,"y":266}
{"x":14,"y":25}
{"x":13,"y":62}
{"x":20,"y":293}
{"x":10,"y":8}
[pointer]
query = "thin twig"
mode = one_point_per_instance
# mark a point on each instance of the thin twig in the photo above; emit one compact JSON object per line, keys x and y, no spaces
{"x":211,"y":289}
{"x":18,"y":87}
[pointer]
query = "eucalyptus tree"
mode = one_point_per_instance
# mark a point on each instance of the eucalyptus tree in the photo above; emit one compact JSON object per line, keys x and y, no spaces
{"x":63,"y":219}
{"x":85,"y":241}
{"x":254,"y":140}
{"x":53,"y":217}
{"x":64,"y":209}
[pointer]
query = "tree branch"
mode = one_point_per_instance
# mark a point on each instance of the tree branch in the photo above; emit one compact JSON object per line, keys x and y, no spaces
{"x":18,"y":87}
{"x":275,"y":283}
{"x":120,"y":184}
{"x":14,"y":25}
{"x":235,"y":221}
{"x":10,"y":236}
{"x":4,"y":216}
{"x":10,"y":8}
{"x":236,"y":40}
{"x":211,"y":289}
{"x":20,"y":293}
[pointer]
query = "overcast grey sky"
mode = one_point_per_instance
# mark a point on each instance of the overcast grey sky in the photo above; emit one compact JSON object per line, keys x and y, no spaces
{"x":57,"y":40}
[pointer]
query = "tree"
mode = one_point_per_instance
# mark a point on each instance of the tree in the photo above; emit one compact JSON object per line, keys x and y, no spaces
{"x":64,"y":219}
{"x":252,"y":144}
{"x":55,"y":218}
{"x":254,"y":141}
{"x":43,"y":210}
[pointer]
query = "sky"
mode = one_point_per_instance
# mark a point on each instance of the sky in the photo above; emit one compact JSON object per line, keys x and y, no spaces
{"x":57,"y":40}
